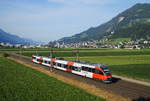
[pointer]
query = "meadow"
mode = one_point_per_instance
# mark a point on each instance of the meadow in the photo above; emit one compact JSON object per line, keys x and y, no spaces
{"x":129,"y":63}
{"x":132,"y":66}
{"x":82,"y":52}
{"x":21,"y":83}
{"x":86,"y":53}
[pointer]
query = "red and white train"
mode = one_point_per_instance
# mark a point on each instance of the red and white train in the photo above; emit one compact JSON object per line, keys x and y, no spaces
{"x":90,"y":70}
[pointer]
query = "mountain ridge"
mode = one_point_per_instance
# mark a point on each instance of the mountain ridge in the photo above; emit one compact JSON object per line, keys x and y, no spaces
{"x":128,"y":18}
{"x":14,"y":39}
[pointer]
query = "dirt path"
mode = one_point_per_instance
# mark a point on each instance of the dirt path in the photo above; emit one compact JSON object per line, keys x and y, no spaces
{"x":120,"y":90}
{"x":133,"y":80}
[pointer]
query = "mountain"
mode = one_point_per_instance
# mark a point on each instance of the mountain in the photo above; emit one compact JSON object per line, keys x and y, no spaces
{"x":14,"y":39}
{"x":133,"y":22}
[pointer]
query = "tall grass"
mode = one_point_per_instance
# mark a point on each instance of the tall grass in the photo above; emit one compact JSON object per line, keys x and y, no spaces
{"x":19,"y":83}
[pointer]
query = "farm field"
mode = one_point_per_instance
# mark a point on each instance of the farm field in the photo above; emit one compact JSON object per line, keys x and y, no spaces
{"x":87,"y":53}
{"x":132,"y":66}
{"x":129,"y":63}
{"x":82,"y":52}
{"x":20,"y":83}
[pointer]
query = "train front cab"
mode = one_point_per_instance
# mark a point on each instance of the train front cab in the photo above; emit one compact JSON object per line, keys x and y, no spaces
{"x":108,"y":77}
{"x":104,"y":76}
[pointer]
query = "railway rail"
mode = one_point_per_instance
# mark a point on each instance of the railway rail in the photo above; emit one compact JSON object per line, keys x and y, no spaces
{"x":134,"y":91}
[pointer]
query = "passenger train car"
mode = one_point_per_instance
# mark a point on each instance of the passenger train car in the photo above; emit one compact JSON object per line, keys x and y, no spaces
{"x":90,"y":70}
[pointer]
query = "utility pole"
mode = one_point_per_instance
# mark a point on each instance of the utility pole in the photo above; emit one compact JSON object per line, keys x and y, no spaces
{"x":51,"y":52}
{"x":49,"y":49}
{"x":20,"y":50}
{"x":36,"y":51}
{"x":51,"y":45}
{"x":77,"y":54}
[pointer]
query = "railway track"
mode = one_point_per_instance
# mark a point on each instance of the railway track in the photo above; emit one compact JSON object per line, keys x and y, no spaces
{"x":136,"y":92}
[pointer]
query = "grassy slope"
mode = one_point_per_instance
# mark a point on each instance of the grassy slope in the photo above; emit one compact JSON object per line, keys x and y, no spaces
{"x":18,"y":83}
{"x":117,"y":40}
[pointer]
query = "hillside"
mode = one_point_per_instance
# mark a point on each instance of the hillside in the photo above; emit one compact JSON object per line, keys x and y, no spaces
{"x":14,"y":39}
{"x":131,"y":19}
{"x":133,"y":32}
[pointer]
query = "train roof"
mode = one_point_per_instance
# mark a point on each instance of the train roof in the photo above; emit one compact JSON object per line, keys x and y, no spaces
{"x":83,"y":63}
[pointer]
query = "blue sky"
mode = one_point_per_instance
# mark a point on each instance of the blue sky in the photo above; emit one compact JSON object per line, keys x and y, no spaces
{"x":48,"y":20}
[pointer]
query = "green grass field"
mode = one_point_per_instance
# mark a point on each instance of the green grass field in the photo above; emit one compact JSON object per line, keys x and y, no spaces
{"x":84,"y":53}
{"x":48,"y":49}
{"x":21,"y":83}
{"x":132,"y":66}
{"x":129,"y":63}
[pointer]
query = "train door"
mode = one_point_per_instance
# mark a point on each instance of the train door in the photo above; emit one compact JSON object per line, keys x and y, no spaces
{"x":83,"y":71}
{"x":86,"y":72}
{"x":89,"y":73}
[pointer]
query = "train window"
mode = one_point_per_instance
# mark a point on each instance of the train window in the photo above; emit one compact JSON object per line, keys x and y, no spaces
{"x":98,"y":71}
{"x":93,"y":70}
{"x":90,"y":70}
{"x":85,"y":68}
{"x":82,"y":68}
{"x":46,"y":62}
{"x":33,"y":57}
{"x":76,"y":68}
{"x":49,"y":62}
{"x":65,"y":66}
{"x":54,"y":63}
{"x":69,"y":67}
{"x":58,"y":64}
{"x":39,"y":60}
{"x":72,"y":67}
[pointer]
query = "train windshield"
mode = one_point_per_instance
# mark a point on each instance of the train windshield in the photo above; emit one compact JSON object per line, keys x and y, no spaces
{"x":104,"y":66}
{"x":107,"y":73}
{"x":33,"y":57}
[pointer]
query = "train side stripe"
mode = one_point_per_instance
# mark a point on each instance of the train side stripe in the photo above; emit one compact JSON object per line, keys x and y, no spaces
{"x":98,"y":68}
{"x":70,"y":63}
{"x":53,"y":60}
